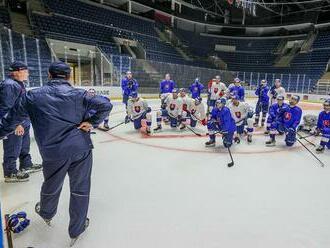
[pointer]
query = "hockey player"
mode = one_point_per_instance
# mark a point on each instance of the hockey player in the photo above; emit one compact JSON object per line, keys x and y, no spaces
{"x":323,"y":126}
{"x":194,"y":112}
{"x":221,"y":121}
{"x":242,"y":114}
{"x":184,"y":98}
{"x":276,"y":90}
{"x":172,"y":110}
{"x":137,"y":111}
{"x":287,"y":120}
{"x":216,"y":91}
{"x":263,"y":103}
{"x":167,"y":85}
{"x":57,"y":112}
{"x":237,"y":89}
{"x":17,"y":144}
{"x":196,"y":89}
{"x":92,"y":92}
{"x":274,"y":113}
{"x":128,"y":85}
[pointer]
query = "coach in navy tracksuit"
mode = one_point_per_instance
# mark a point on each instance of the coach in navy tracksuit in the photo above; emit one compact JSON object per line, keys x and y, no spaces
{"x":57,"y":113}
{"x":17,"y":144}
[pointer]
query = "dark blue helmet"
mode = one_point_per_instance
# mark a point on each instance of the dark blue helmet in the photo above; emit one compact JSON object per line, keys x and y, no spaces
{"x":175,"y":91}
{"x":280,"y":98}
{"x":59,"y":69}
{"x":17,"y":66}
{"x":222,"y":100}
{"x":326,"y":102}
{"x":134,"y":94}
{"x":198,"y":99}
{"x":296,"y":98}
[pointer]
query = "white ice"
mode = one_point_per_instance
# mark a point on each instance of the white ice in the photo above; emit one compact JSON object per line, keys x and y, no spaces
{"x":169,"y":191}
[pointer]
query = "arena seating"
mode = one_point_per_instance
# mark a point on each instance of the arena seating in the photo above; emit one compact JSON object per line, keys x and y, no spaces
{"x":91,"y":23}
{"x":5,"y":17}
{"x":57,"y":25}
{"x":31,"y":55}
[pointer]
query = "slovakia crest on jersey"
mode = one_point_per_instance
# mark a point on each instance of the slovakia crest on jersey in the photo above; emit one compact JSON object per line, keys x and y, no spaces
{"x":287,"y":116}
{"x":137,"y":109}
{"x":326,"y":123}
{"x":172,"y":106}
{"x":238,"y":115}
{"x":167,"y":86}
{"x":215,"y":90}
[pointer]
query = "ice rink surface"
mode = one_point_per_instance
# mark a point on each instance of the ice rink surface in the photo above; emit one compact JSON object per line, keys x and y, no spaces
{"x":169,"y":191}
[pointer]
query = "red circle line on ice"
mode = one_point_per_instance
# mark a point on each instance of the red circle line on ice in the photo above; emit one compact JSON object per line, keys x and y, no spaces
{"x":266,"y":150}
{"x":211,"y":150}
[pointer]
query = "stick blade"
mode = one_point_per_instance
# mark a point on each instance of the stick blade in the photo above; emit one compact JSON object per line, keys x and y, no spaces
{"x":231,"y":164}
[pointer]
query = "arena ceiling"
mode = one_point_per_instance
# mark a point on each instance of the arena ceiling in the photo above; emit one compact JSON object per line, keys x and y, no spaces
{"x":272,"y":11}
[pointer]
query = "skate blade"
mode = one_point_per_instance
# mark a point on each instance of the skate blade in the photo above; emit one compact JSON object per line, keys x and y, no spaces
{"x":16,"y":180}
{"x":74,"y":240}
{"x":32,"y":171}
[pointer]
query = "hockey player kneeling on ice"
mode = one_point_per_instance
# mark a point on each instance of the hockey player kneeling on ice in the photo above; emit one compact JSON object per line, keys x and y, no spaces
{"x":137,"y":111}
{"x":263,"y":103}
{"x":274,"y":113}
{"x":92,"y":92}
{"x":323,"y":126}
{"x":194,"y":112}
{"x":242,"y":114}
{"x":172,"y":110}
{"x":287,"y":120}
{"x":222,"y":122}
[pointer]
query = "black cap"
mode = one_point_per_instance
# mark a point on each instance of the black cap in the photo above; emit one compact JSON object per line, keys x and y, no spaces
{"x":18,"y":66}
{"x":59,"y":69}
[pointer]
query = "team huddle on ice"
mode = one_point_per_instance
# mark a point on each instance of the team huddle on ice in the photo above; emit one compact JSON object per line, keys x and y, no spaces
{"x":227,"y":112}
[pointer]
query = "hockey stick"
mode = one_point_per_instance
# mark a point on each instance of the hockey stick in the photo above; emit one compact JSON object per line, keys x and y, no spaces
{"x":231,"y":157}
{"x":121,"y":123}
{"x":304,"y":138}
{"x":8,"y":232}
{"x":307,"y":136}
{"x":322,"y":164}
{"x":191,"y":130}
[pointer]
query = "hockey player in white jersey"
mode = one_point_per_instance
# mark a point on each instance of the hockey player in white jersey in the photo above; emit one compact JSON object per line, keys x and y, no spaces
{"x":194,"y":112}
{"x":137,"y":111}
{"x":172,"y":110}
{"x":185,"y":98}
{"x":242,"y":113}
{"x":276,"y":90}
{"x":216,"y":91}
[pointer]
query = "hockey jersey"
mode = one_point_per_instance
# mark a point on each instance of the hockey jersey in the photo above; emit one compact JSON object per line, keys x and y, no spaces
{"x":197,"y":112}
{"x":240,"y":112}
{"x":135,"y":109}
{"x":166,"y":86}
{"x":262,"y":93}
{"x":173,"y":106}
{"x":291,"y":117}
{"x":224,"y":120}
{"x":323,"y":120}
{"x":217,"y":90}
